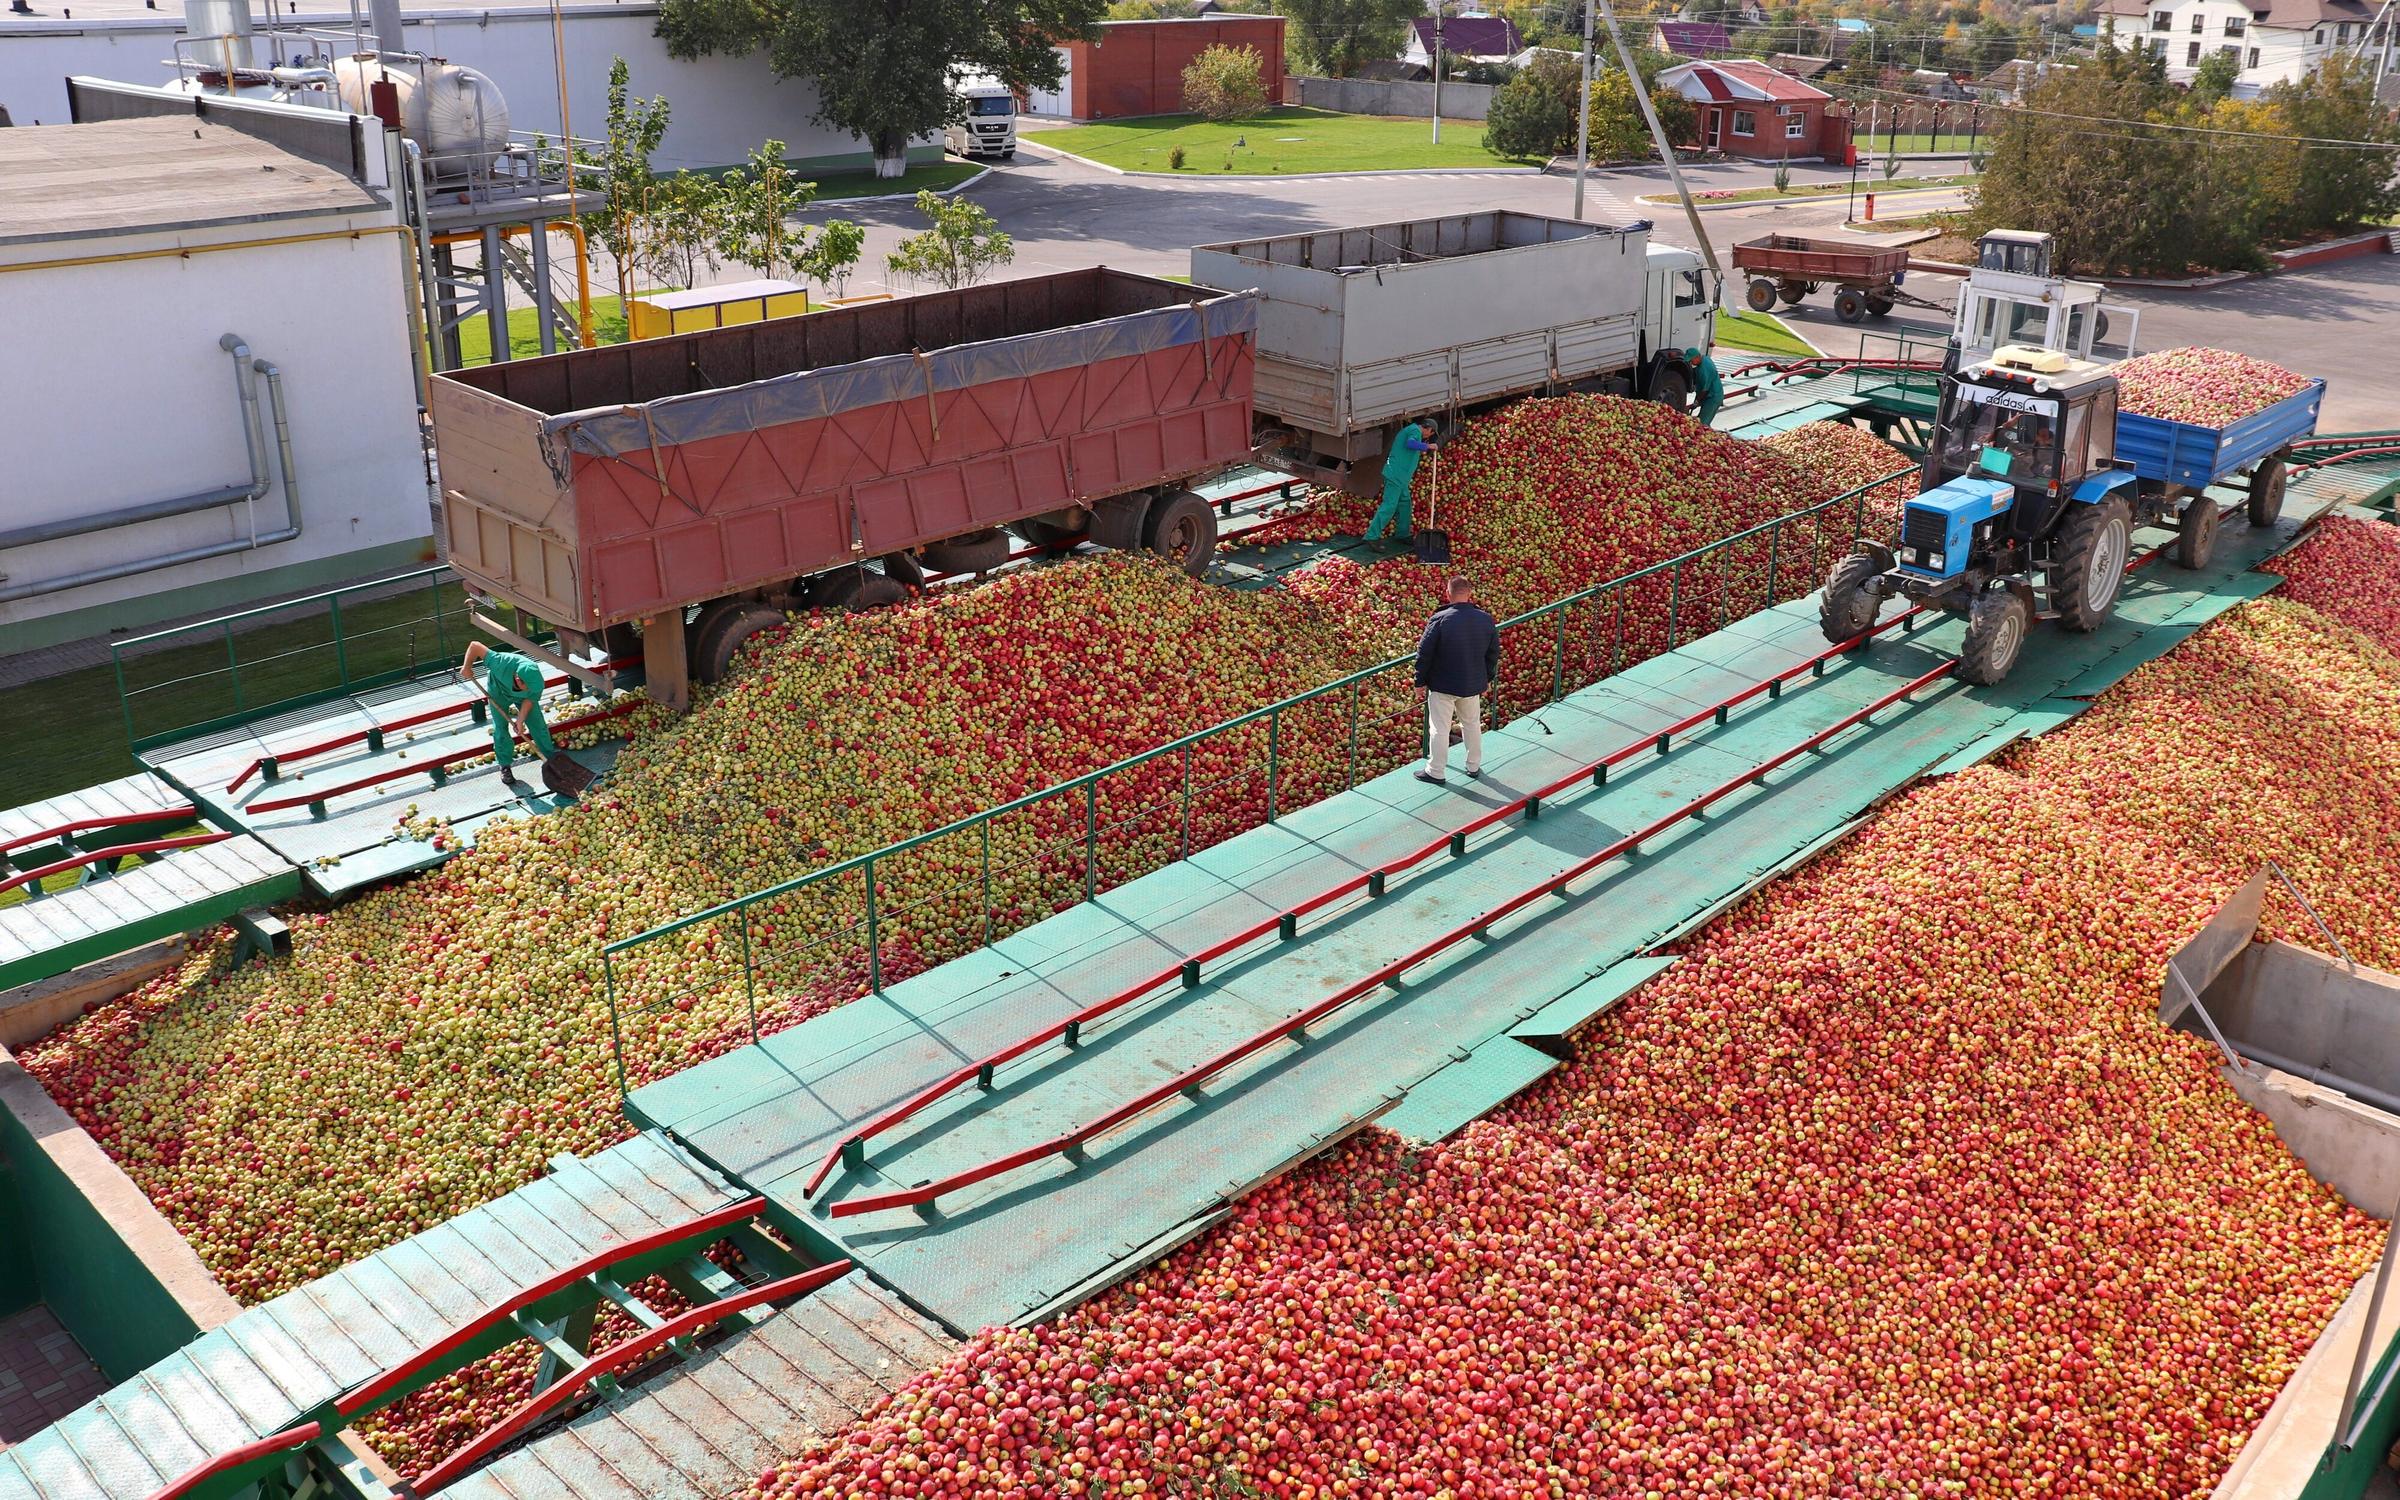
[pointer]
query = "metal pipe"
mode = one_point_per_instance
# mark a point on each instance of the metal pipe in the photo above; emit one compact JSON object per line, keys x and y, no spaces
{"x":149,"y":510}
{"x":2324,"y":1076}
{"x":254,"y":439}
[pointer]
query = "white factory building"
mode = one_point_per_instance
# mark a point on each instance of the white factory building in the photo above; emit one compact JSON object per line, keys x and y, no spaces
{"x":209,"y":385}
{"x":2272,"y":41}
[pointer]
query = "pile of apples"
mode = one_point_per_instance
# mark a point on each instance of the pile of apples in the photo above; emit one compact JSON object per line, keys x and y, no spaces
{"x":1893,"y":1186}
{"x":431,"y":1045}
{"x":2342,"y":572}
{"x":2206,"y":387}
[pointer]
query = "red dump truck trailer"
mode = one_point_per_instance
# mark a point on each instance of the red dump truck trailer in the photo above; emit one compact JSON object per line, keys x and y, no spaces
{"x":697,"y":486}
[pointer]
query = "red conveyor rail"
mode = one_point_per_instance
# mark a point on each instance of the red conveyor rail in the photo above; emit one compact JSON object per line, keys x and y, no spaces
{"x":361,"y":736}
{"x":427,"y":767}
{"x":1371,"y":881}
{"x":353,"y":1403}
{"x":83,"y":825}
{"x":617,"y":1357}
{"x":153,"y":846}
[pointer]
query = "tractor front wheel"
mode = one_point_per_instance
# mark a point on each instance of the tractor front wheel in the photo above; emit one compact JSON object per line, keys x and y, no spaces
{"x":1849,"y":606}
{"x":1996,"y":630}
{"x":2196,"y":533}
{"x":2087,"y":568}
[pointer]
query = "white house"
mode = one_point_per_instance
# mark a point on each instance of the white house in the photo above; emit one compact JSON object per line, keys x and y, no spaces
{"x":2273,"y":41}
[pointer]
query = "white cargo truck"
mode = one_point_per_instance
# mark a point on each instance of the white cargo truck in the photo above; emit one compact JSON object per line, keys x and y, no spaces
{"x":1361,"y":329}
{"x":988,"y":129}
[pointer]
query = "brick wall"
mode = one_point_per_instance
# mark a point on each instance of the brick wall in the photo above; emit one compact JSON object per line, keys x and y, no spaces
{"x":1136,"y":68}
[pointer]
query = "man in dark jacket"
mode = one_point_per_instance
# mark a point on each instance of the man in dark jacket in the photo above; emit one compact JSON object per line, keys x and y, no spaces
{"x":1456,"y":660}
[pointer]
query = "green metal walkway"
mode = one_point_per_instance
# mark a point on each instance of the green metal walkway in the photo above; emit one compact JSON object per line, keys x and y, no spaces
{"x":278,"y":1364}
{"x":1042,"y":1235}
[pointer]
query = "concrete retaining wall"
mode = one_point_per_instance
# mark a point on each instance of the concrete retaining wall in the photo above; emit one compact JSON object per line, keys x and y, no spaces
{"x":1366,"y":96}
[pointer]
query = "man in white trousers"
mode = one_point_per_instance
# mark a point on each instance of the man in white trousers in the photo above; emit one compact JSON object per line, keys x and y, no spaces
{"x":1456,"y":660}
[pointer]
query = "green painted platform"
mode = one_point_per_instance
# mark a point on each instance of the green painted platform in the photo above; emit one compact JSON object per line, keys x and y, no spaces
{"x":279,"y":1363}
{"x":168,"y":895}
{"x":707,"y":1428}
{"x":1015,"y":1248}
{"x":139,"y":796}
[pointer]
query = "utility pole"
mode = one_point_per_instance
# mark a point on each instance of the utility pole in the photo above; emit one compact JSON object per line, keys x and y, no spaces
{"x":1666,"y":148}
{"x":1437,"y":72}
{"x":1583,"y":114}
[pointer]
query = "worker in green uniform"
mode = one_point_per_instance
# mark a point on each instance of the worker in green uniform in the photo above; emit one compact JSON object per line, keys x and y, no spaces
{"x":514,"y":684}
{"x":1399,"y":473}
{"x":1711,"y":385}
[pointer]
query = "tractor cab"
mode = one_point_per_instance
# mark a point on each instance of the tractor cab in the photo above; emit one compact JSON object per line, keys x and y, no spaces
{"x":2013,"y":296}
{"x":2017,"y":435}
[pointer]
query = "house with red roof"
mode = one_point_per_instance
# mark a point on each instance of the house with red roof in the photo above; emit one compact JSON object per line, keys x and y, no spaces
{"x":1691,"y":38}
{"x":1748,"y":109}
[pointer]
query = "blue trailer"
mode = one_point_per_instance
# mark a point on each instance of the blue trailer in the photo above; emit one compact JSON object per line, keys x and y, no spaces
{"x":2034,"y":483}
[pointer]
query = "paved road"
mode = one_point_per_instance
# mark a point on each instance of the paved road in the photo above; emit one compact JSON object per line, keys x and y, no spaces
{"x":2342,"y":322}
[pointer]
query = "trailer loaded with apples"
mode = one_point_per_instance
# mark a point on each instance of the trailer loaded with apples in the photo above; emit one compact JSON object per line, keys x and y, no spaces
{"x":673,"y":497}
{"x":2033,"y":485}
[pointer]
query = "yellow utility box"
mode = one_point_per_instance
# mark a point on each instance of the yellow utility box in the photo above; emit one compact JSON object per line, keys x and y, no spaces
{"x":662,"y":313}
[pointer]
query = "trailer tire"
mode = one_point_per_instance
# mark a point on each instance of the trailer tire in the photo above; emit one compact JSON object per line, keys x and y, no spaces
{"x":1849,"y":304}
{"x":877,"y":591}
{"x":973,"y":552}
{"x":1996,"y":629}
{"x":1671,"y":385}
{"x":1183,"y":527}
{"x":1760,"y":296}
{"x":2266,"y":491}
{"x":2196,"y":533}
{"x":713,"y":652}
{"x":2087,"y":568}
{"x":1879,"y":307}
{"x":836,"y":589}
{"x":1048,"y":534}
{"x":1792,"y":292}
{"x":1848,"y":608}
{"x":2099,"y":328}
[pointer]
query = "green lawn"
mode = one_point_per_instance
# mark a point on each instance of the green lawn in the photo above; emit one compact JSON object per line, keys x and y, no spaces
{"x":1760,"y":333}
{"x":933,"y":176}
{"x":1276,"y":140}
{"x":525,"y":331}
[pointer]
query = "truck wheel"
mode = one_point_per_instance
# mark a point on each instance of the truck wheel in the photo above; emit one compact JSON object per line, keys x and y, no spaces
{"x":1761,"y":295}
{"x":1045,"y":534}
{"x":902,"y":567}
{"x":2087,"y":567}
{"x":2266,"y":491}
{"x":975,"y":552}
{"x":1848,"y":608}
{"x":1996,"y":629}
{"x":1182,"y":526}
{"x":1849,"y":304}
{"x":1671,"y":385}
{"x":713,"y":652}
{"x":836,"y":589}
{"x":1879,"y":307}
{"x":877,"y":591}
{"x":2196,"y":533}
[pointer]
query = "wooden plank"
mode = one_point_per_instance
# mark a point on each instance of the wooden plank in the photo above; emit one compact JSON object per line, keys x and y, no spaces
{"x":315,"y":1329}
{"x":235,"y":1376}
{"x":150,"y":1425}
{"x":391,"y":1295}
{"x":619,"y":1178}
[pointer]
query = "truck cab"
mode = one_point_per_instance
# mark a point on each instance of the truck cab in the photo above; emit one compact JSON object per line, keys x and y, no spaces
{"x":987,"y":127}
{"x":2012,"y":296}
{"x":1678,"y":310}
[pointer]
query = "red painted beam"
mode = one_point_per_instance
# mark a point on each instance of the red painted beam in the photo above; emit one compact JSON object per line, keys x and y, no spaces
{"x":427,"y":767}
{"x":233,"y":1458}
{"x":154,"y":846}
{"x":114,"y":820}
{"x":616,"y":1357}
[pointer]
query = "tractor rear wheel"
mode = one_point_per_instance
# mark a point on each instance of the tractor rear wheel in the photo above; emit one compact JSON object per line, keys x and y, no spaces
{"x":1848,"y":607}
{"x":2196,"y":533}
{"x":1760,"y":295}
{"x":1996,"y":630}
{"x":2087,"y":567}
{"x":2266,"y":491}
{"x":1850,"y":304}
{"x":1183,"y":527}
{"x":722,"y":639}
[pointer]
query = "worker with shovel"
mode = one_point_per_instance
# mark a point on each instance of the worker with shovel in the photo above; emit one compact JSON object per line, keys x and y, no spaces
{"x":514,"y":685}
{"x":1409,"y":447}
{"x":1708,"y":383}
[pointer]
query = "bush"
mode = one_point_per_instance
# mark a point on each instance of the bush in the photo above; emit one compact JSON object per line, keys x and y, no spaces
{"x":1175,"y":159}
{"x":1225,"y":83}
{"x":1533,"y":114}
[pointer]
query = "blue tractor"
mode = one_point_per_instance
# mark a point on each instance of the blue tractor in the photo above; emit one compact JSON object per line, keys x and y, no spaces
{"x":2032,"y":488}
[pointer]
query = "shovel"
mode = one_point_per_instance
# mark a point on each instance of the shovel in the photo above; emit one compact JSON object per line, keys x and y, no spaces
{"x":566,"y":778}
{"x":1432,"y":543}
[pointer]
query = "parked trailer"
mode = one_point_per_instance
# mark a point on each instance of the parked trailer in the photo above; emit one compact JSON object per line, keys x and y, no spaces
{"x":2184,"y":457}
{"x":700,"y":485}
{"x":1361,"y":329}
{"x":1791,"y":266}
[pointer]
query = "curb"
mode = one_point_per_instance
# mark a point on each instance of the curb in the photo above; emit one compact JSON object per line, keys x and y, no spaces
{"x":1053,"y":151}
{"x":1792,"y":200}
{"x":956,"y":187}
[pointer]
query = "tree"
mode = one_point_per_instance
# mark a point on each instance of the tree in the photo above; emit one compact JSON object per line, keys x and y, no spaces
{"x":687,"y":225}
{"x":886,"y":71}
{"x":2338,"y":184}
{"x":2214,"y":78}
{"x":1225,"y":83}
{"x":1338,"y":37}
{"x":831,"y":254}
{"x":1618,"y":129}
{"x":635,"y":127}
{"x":1532,"y":116}
{"x":759,"y":200}
{"x":959,"y":250}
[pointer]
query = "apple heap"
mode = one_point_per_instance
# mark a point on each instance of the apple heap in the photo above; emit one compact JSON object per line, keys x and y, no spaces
{"x":2343,"y":572}
{"x":1894,"y":1186}
{"x":1835,"y":458}
{"x":2206,"y":387}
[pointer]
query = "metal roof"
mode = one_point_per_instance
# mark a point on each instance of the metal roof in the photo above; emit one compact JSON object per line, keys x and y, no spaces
{"x":64,"y":182}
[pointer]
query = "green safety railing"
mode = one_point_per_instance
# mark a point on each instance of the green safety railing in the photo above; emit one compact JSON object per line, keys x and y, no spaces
{"x":190,"y":680}
{"x":900,"y":908}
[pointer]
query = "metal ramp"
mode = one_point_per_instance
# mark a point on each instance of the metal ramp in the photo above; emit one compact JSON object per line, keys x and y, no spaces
{"x":176,"y":892}
{"x":707,"y":1428}
{"x":369,"y":1325}
{"x":962,"y":1197}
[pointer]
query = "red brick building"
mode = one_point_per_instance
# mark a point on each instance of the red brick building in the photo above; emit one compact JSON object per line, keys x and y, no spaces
{"x":1749,"y":109}
{"x":1136,"y":68}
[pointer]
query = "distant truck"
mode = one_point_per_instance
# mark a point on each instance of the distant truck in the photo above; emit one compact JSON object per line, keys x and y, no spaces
{"x":1361,"y":329}
{"x":2033,"y":485}
{"x":988,"y":129}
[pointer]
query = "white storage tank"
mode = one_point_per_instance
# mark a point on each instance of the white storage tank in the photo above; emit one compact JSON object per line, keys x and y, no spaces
{"x":455,"y":114}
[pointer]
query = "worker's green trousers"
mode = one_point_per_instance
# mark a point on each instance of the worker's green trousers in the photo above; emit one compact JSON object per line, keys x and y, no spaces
{"x":1393,"y":510}
{"x":504,"y":748}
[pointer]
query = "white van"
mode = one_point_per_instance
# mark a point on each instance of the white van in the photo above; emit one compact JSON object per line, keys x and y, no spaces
{"x":990,"y":126}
